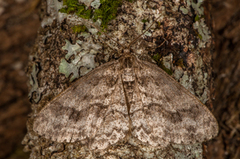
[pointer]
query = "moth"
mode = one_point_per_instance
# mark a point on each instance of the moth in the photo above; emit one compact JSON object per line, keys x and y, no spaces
{"x":122,"y":98}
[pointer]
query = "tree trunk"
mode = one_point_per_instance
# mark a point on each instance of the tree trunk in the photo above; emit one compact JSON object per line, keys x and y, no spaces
{"x":68,"y":47}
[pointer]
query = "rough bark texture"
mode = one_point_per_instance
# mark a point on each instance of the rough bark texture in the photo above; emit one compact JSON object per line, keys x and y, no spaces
{"x":185,"y":55}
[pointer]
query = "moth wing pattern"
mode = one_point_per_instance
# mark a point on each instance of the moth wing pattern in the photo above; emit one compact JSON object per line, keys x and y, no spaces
{"x":93,"y":110}
{"x":166,"y":112}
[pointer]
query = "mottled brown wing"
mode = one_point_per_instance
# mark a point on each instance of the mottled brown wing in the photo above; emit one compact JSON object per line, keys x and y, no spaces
{"x":165,"y":112}
{"x":93,"y":110}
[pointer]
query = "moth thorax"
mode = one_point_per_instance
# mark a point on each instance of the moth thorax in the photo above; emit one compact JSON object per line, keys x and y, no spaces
{"x":128,"y":75}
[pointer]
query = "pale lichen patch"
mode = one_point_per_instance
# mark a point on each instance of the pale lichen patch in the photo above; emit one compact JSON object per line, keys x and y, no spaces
{"x":84,"y":54}
{"x":36,"y":92}
{"x":203,"y":32}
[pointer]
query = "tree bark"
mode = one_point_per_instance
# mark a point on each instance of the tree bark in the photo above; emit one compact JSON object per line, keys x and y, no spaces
{"x":226,"y":67}
{"x":55,"y":62}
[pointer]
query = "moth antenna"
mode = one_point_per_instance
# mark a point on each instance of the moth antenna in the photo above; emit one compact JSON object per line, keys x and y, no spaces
{"x":142,"y":33}
{"x":102,"y":32}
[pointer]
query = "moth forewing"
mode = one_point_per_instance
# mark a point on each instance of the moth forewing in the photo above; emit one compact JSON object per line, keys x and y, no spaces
{"x":122,"y":97}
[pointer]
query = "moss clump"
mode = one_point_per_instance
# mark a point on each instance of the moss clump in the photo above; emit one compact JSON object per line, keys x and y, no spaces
{"x":197,"y":18}
{"x":180,"y":63}
{"x":79,"y":28}
{"x":74,"y":7}
{"x":144,"y":20}
{"x":107,"y":11}
{"x":168,"y":71}
{"x":200,"y":36}
{"x":157,"y":58}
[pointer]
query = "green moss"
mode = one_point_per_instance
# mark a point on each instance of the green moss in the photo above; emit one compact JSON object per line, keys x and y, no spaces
{"x":157,"y":58}
{"x":180,"y":63}
{"x":200,"y":36}
{"x":79,"y":28}
{"x":168,"y":71}
{"x":74,"y":7}
{"x":144,"y":20}
{"x":107,"y":11}
{"x":197,"y":18}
